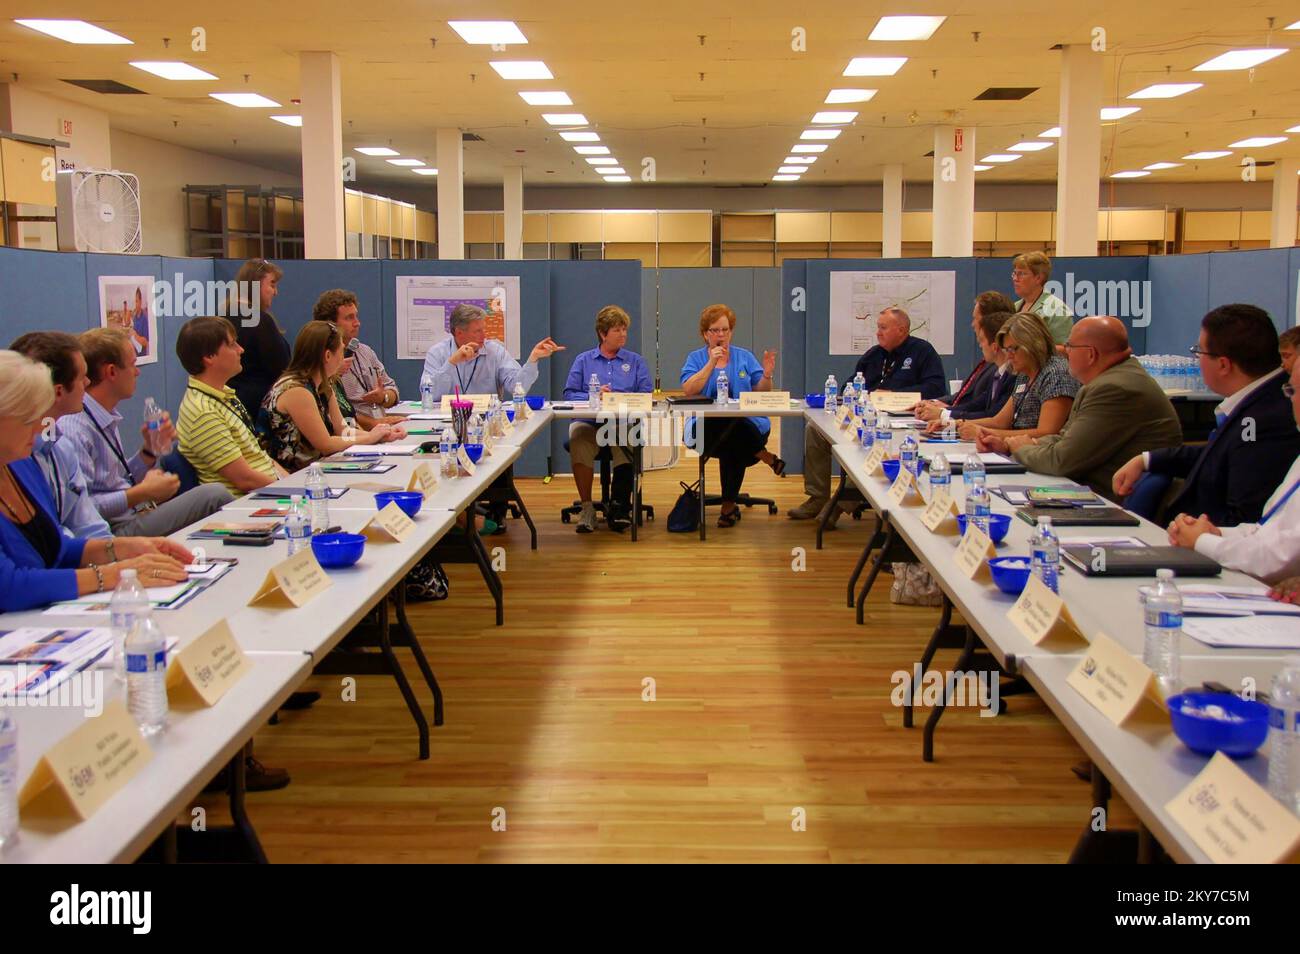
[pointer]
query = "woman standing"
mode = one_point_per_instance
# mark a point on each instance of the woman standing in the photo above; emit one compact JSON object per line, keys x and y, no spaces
{"x":266,"y":349}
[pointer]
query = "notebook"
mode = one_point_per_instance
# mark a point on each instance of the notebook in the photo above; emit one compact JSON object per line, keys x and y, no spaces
{"x":1138,"y":561}
{"x":1080,"y":516}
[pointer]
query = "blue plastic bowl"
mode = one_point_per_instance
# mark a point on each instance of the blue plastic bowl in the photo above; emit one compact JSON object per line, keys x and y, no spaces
{"x":408,"y":501}
{"x":337,"y":550}
{"x":890,"y":465}
{"x":999,"y":524}
{"x":1010,"y":579}
{"x":535,"y":402}
{"x":510,"y":413}
{"x":474,"y":451}
{"x":1206,"y":735}
{"x":817,"y":401}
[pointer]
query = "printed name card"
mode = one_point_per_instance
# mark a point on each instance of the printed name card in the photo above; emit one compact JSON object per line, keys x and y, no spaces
{"x":844,"y":415}
{"x":875,"y":457}
{"x":617,"y":400}
{"x":297,"y":580}
{"x":87,"y":767}
{"x":424,"y":480}
{"x":1042,"y":615}
{"x":481,"y":402}
{"x":904,"y":492}
{"x":1118,"y":684}
{"x":390,"y":525}
{"x":507,"y":427}
{"x":973,"y":553}
{"x":937,"y":512}
{"x":1234,"y":820}
{"x":765,"y":401}
{"x":462,"y":459}
{"x":204,"y":671}
{"x":895,"y":401}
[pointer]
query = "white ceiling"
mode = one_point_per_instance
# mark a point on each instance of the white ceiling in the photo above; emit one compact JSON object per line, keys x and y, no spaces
{"x":634,"y":69}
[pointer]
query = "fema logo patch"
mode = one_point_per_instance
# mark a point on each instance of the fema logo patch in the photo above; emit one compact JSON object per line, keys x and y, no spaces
{"x":743,"y":374}
{"x":626,"y":368}
{"x":907,"y":363}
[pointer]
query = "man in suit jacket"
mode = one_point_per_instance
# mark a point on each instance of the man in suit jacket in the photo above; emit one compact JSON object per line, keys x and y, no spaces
{"x":1120,"y":411}
{"x":983,"y":393}
{"x":1255,"y":439}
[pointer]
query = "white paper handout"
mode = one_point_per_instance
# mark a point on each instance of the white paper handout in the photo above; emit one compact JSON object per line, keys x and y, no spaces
{"x":1249,"y":632}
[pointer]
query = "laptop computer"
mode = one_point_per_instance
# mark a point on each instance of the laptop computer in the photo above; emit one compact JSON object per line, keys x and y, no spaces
{"x":1138,"y":561}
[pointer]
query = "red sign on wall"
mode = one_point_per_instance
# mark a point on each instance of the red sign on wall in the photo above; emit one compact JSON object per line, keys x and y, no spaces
{"x":956,"y":140}
{"x":67,"y":127}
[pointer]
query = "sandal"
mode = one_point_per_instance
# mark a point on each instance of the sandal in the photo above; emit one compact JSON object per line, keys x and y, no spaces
{"x":729,"y":518}
{"x":778,"y":466}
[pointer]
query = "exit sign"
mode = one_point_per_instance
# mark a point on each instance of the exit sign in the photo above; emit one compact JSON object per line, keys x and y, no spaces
{"x":66,"y":126}
{"x":956,"y":140}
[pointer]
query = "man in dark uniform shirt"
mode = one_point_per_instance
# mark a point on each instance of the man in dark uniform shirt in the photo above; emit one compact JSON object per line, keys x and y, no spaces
{"x":898,"y":362}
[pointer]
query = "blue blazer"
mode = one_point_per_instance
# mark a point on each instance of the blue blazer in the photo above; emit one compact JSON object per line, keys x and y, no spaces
{"x":25,"y":581}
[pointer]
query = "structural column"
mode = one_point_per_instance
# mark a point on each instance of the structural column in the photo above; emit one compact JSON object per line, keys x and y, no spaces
{"x":892,"y":207}
{"x":954,"y":192}
{"x":1078,"y":171}
{"x":1284,"y":203}
{"x":513,"y":182}
{"x":451,"y":194}
{"x":322,"y":155}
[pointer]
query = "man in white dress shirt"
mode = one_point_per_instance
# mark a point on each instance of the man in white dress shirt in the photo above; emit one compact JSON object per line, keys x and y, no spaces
{"x":1268,"y":550}
{"x":476,"y":364}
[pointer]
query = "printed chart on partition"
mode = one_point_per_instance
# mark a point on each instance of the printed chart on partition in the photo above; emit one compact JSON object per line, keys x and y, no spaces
{"x":857,"y":299}
{"x":425,"y":303}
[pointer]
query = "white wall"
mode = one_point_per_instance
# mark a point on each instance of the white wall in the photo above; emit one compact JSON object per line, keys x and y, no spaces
{"x":164,"y":170}
{"x":39,"y":114}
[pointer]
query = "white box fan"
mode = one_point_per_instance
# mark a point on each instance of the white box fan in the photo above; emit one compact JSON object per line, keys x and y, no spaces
{"x":99,"y":211}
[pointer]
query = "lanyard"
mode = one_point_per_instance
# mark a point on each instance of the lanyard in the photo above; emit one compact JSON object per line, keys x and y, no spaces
{"x":114,"y":447}
{"x":464,"y":388}
{"x":1278,"y":506}
{"x":235,"y":405}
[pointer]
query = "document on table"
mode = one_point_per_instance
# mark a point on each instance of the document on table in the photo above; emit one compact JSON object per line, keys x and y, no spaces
{"x":381,"y":450}
{"x":33,"y":660}
{"x":1251,"y":632}
{"x":1206,"y":599}
{"x":1018,"y":494}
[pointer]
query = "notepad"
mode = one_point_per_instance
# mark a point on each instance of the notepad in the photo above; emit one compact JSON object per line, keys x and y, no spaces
{"x":1251,"y":632}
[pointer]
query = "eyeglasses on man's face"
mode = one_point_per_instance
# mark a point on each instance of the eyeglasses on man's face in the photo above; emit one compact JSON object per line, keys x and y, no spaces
{"x":1202,"y":353}
{"x":1070,"y":346}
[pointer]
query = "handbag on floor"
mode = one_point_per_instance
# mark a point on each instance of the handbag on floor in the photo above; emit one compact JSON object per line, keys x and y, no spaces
{"x":685,"y":515}
{"x":426,"y":581}
{"x":914,"y":586}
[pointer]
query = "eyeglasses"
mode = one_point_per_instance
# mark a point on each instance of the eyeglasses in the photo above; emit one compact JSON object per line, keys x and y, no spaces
{"x":1010,"y":348}
{"x":1019,"y":273}
{"x":1068,"y":345}
{"x":1202,"y":353}
{"x":717,"y":331}
{"x":1289,"y":390}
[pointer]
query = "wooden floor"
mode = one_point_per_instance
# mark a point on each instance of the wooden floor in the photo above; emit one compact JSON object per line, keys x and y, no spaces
{"x":767,"y":699}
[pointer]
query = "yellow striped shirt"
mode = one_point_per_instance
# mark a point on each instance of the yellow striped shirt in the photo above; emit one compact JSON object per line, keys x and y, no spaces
{"x":213,"y":434}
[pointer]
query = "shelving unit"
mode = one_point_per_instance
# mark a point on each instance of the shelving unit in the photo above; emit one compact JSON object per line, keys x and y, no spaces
{"x":244,"y":221}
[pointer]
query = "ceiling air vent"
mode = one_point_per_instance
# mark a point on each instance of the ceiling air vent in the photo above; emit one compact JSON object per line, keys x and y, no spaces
{"x":470,"y":137}
{"x":1007,"y":92}
{"x":104,"y":86}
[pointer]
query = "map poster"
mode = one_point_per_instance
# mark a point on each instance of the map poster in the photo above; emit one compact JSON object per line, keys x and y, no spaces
{"x":425,"y":304}
{"x":857,"y":298}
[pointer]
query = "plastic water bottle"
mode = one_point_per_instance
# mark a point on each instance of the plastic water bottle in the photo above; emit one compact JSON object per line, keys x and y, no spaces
{"x":318,"y":496}
{"x":8,"y":781}
{"x":1045,"y":554}
{"x":146,"y":676}
{"x":940,"y":475}
{"x":518,"y":401}
{"x":978,"y":506}
{"x":127,"y":604}
{"x":867,"y":427}
{"x":909,"y":454}
{"x":724,"y":388}
{"x":972,"y":470}
{"x":884,"y":433}
{"x":1284,"y":743}
{"x":426,"y":393}
{"x":1161,"y":650}
{"x":593,"y":391}
{"x":474,"y":432}
{"x":153,"y":418}
{"x":832,"y":392}
{"x":860,"y":383}
{"x":447,"y":451}
{"x":297,"y":526}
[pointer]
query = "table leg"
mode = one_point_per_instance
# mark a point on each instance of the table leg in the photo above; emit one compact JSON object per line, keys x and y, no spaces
{"x":824,"y":521}
{"x":699,"y":436}
{"x":872,"y":543}
{"x":399,"y":601}
{"x":941,"y":630}
{"x":932,"y":723}
{"x":403,"y":686}
{"x":876,"y":566}
{"x":636,"y":489}
{"x":238,"y":814}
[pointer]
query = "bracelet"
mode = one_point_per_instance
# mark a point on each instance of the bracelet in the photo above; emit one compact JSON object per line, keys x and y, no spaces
{"x":99,"y":577}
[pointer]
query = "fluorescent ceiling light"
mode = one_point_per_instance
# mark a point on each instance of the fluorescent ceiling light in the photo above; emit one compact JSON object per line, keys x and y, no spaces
{"x":1257,"y":142}
{"x":74,"y":31}
{"x":565,"y":119}
{"x":1109,"y":113}
{"x":288,"y":120}
{"x":979,"y":168}
{"x":1164,"y":91}
{"x":521,"y":69}
{"x":906,"y":28}
{"x":611,"y":170}
{"x":591,"y":150}
{"x":618,"y":178}
{"x":547,"y":98}
{"x":1294,"y":26}
{"x":425,"y":171}
{"x":1030,"y":146}
{"x":1157,"y":166}
{"x":808,"y":147}
{"x":172,"y":70}
{"x":1053,"y":133}
{"x":819,"y":134}
{"x":406,"y":162}
{"x":1212,"y":154}
{"x":792,"y":170}
{"x":1002,"y":157}
{"x":603,"y":161}
{"x":785,"y":178}
{"x":483,"y":32}
{"x":874,"y":65}
{"x":795,"y":160}
{"x":1293,"y":129}
{"x":834,"y":116}
{"x":245,"y":100}
{"x":1239,"y":59}
{"x":580,"y":137}
{"x":1132,"y":174}
{"x":849,"y":95}
{"x":376,"y":151}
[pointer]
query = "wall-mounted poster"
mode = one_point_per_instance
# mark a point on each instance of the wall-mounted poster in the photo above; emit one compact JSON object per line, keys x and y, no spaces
{"x":126,"y":302}
{"x":425,"y":303}
{"x":929,"y":298}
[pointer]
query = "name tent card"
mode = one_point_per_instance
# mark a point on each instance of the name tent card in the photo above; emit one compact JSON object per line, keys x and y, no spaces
{"x":424,"y":480}
{"x":296,"y":581}
{"x":462,"y":459}
{"x":765,"y":401}
{"x":844,"y":415}
{"x":875,"y":457}
{"x":904,"y":492}
{"x":204,"y":671}
{"x":389,"y":525}
{"x":618,"y":400}
{"x":481,"y":402}
{"x":1042,"y":615}
{"x":1118,"y":684}
{"x":973,"y":553}
{"x":87,"y":767}
{"x":937,"y":512}
{"x":895,"y":401}
{"x":1232,"y":819}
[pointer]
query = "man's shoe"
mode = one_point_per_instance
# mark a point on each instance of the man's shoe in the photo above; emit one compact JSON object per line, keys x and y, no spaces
{"x":301,"y":700}
{"x":618,"y":517}
{"x":587,"y":519}
{"x":810,"y":508}
{"x":260,"y":778}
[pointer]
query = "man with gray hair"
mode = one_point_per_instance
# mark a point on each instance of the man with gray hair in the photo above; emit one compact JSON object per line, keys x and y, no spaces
{"x":476,"y":364}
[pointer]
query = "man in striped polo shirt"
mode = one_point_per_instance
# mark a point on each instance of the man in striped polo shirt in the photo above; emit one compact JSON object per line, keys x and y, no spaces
{"x":216,"y":430}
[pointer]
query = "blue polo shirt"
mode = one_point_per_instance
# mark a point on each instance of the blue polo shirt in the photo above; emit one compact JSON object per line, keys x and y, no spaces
{"x":626,"y":372}
{"x":744,"y":372}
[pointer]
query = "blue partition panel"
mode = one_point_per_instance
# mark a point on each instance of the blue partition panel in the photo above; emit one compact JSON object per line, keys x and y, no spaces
{"x":42,"y":291}
{"x":180,"y":272}
{"x":1261,"y":277}
{"x":683,"y":294}
{"x":1180,"y":290}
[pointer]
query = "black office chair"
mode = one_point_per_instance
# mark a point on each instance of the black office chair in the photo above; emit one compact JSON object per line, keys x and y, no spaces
{"x":605,"y":459}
